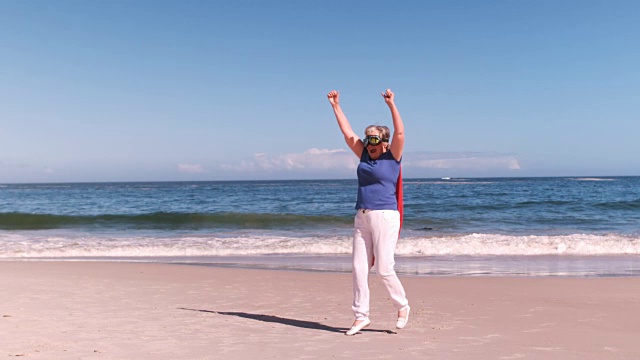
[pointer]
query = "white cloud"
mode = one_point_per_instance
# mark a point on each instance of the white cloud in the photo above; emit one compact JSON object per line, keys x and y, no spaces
{"x":341,"y":161}
{"x":190,"y":168}
{"x":310,"y":160}
{"x":462,"y":161}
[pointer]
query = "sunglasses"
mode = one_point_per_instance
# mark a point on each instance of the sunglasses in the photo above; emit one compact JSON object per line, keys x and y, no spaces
{"x":373,"y":140}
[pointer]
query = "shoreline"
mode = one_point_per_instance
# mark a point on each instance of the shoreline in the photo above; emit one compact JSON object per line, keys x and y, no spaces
{"x":107,"y":310}
{"x":575,"y":266}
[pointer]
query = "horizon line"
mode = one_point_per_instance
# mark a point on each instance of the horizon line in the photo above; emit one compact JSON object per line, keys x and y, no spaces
{"x":334,"y":179}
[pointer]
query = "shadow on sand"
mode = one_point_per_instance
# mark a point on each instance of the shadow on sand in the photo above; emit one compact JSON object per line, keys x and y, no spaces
{"x":285,"y":321}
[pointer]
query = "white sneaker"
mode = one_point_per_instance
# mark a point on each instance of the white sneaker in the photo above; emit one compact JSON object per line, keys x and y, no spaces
{"x":402,"y":321}
{"x":354,"y":329}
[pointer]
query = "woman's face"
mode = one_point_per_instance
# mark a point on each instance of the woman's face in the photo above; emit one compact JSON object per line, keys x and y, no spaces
{"x":375,"y":150}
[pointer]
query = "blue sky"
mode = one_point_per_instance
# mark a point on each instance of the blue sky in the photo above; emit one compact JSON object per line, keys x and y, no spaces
{"x":225,"y":90}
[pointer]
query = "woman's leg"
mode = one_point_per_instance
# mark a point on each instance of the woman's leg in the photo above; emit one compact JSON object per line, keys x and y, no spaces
{"x":362,"y":262}
{"x":385,"y":225}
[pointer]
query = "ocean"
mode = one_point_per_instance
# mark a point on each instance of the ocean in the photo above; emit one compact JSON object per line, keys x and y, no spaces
{"x":560,"y":226}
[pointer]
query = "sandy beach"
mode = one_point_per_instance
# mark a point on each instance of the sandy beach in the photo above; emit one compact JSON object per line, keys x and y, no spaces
{"x":109,"y":310}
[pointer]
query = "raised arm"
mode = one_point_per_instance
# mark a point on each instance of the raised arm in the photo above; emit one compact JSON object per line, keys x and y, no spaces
{"x":352,"y":140}
{"x":397,"y":140}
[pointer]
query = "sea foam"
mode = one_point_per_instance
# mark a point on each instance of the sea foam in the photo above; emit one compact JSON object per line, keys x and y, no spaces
{"x":32,"y":245}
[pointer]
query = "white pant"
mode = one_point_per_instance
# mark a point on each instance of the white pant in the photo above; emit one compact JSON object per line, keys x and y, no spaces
{"x":375,"y":235}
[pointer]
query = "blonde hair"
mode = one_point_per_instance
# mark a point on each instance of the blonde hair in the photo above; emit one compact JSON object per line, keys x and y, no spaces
{"x":385,"y":133}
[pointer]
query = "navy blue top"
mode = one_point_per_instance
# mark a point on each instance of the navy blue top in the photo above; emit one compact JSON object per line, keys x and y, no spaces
{"x":377,"y":182}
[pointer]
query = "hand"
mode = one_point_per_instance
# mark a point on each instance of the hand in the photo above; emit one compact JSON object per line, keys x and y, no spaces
{"x":334,"y":97}
{"x":388,"y":96}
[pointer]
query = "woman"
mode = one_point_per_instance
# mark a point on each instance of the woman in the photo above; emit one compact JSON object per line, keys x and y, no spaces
{"x":377,"y":221}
